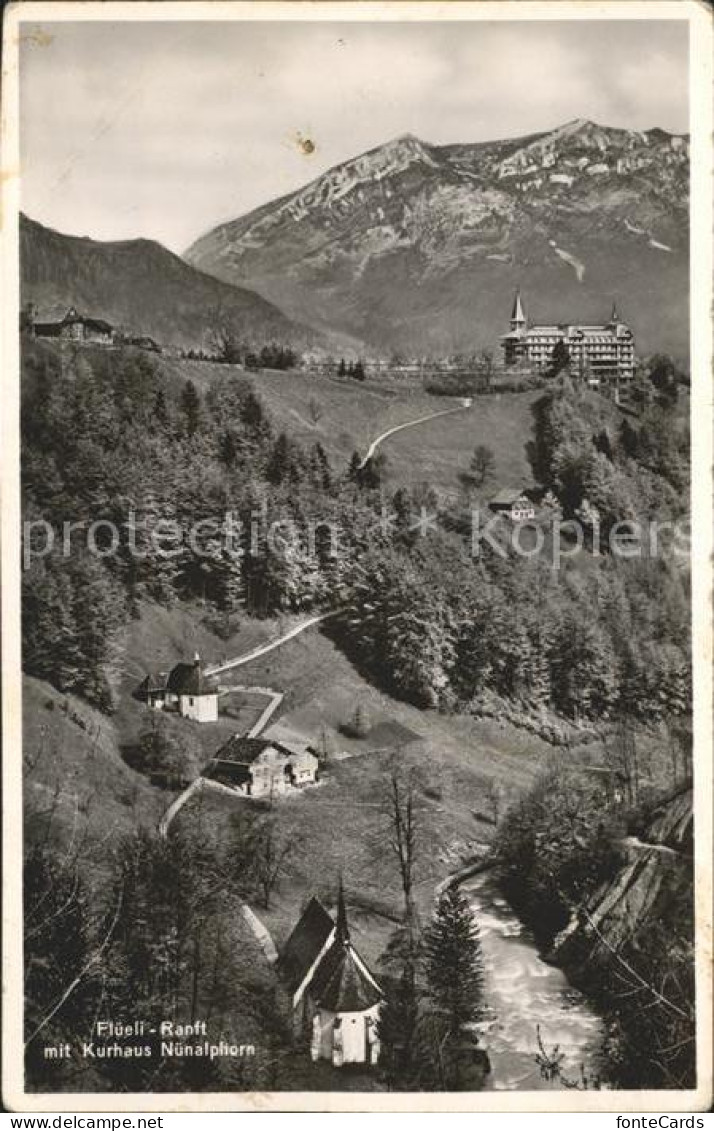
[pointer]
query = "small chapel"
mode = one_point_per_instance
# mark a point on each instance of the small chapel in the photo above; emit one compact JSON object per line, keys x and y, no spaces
{"x":335,"y":998}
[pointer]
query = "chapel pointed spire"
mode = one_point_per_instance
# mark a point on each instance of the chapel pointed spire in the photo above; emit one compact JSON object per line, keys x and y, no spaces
{"x":343,"y":931}
{"x":615,"y":316}
{"x":518,"y":318}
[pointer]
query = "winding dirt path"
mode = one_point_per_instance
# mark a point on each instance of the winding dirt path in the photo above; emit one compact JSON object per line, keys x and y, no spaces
{"x":178,"y":803}
{"x":410,"y":424}
{"x":271,"y":645}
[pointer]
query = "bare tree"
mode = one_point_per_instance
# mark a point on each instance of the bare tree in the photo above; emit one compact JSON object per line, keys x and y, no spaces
{"x":679,"y":748}
{"x":273,"y":849}
{"x":324,"y":748}
{"x":400,"y":1017}
{"x":495,"y":797}
{"x":402,"y":833}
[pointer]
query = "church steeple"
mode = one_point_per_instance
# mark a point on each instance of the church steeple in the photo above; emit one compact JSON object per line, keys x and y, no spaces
{"x":518,"y":318}
{"x":615,"y":316}
{"x":343,"y":931}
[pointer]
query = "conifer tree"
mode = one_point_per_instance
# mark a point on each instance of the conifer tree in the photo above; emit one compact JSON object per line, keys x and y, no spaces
{"x":359,"y":723}
{"x":279,"y":463}
{"x":354,"y":471}
{"x":160,"y":411}
{"x":320,"y":467}
{"x":453,"y":961}
{"x":191,"y":407}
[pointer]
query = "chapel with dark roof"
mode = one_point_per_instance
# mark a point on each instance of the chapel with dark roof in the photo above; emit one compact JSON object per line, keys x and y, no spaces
{"x":335,"y":997}
{"x":186,"y":687}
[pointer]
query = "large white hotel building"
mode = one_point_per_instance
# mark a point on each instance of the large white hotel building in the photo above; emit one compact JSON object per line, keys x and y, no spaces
{"x":598,"y":353}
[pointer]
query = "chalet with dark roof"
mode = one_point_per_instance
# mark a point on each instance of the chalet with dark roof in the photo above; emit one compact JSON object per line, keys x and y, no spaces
{"x":514,"y":503}
{"x":334,"y":994}
{"x":261,"y":767}
{"x":72,"y":327}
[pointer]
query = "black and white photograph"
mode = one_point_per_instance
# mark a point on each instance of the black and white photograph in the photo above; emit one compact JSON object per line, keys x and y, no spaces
{"x":356,"y":551}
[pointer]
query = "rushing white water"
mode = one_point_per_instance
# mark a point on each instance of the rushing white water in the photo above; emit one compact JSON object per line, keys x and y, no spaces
{"x":523,"y":992}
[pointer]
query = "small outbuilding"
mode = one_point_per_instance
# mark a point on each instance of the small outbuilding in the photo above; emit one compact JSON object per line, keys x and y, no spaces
{"x":152,"y":690}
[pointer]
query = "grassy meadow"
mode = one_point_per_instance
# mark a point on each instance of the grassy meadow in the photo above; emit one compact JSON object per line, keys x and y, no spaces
{"x":345,"y":417}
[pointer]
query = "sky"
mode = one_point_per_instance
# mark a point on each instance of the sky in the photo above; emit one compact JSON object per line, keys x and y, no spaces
{"x":165,"y":129}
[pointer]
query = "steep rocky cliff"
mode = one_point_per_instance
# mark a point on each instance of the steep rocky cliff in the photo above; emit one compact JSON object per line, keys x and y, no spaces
{"x":655,"y":874}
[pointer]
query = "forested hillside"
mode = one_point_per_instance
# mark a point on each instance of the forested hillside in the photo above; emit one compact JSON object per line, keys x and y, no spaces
{"x":107,"y":437}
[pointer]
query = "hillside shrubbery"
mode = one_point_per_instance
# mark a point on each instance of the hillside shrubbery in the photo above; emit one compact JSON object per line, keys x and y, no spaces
{"x":558,"y":843}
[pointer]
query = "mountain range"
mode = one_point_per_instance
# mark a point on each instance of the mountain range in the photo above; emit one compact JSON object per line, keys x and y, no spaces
{"x":417,"y":248}
{"x":141,"y":287}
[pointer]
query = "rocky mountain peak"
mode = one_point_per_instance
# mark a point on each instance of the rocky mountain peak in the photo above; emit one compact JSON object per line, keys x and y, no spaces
{"x":418,"y":247}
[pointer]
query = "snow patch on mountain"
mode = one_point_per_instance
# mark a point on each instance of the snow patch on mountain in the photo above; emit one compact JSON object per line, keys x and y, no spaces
{"x":576,"y":264}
